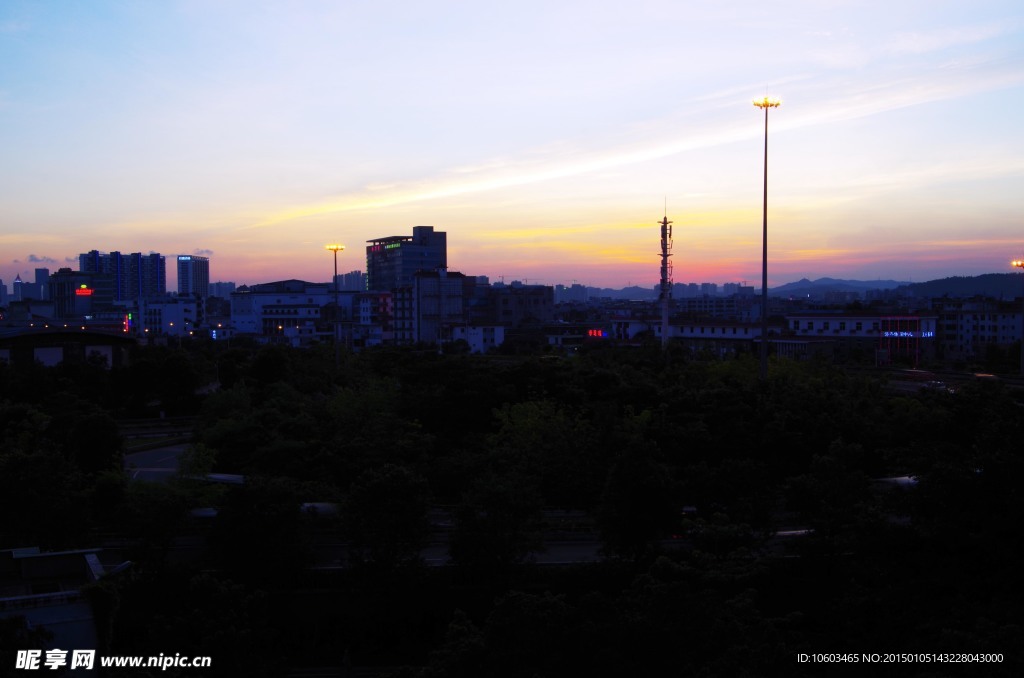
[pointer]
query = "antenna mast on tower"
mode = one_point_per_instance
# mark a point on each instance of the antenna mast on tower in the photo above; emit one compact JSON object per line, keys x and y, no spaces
{"x":665,"y":292}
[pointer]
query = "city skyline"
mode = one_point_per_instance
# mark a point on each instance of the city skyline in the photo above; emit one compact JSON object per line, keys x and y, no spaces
{"x":545,"y":139}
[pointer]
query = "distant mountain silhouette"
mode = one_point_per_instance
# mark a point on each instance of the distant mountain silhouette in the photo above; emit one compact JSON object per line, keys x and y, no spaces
{"x":1005,"y":285}
{"x":998,"y":285}
{"x":818,"y":288}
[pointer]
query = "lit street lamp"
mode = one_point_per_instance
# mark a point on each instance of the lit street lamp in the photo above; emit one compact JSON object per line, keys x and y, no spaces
{"x":1019,"y":263}
{"x":765,"y":103}
{"x":336,"y":249}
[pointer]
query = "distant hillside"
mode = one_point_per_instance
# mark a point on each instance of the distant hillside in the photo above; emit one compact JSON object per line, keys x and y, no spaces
{"x":1004,"y":285}
{"x":998,"y":285}
{"x":818,"y":288}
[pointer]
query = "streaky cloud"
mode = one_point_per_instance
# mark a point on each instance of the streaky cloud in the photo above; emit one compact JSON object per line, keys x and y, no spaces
{"x":922,"y":42}
{"x":832,"y":104}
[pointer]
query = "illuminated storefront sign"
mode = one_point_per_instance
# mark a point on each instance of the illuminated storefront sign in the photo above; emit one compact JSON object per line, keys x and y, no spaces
{"x":905,"y":334}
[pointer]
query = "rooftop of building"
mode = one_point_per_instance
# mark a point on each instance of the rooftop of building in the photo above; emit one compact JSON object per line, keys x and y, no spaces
{"x":390,"y":239}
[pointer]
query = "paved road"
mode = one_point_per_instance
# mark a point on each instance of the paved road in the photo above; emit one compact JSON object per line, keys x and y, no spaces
{"x":158,"y":465}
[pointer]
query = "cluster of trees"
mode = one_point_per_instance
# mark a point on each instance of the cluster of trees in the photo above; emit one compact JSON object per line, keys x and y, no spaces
{"x":61,"y":448}
{"x":687,"y":468}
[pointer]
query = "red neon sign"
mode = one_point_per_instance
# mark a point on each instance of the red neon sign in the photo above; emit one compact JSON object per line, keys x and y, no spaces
{"x":83,"y":292}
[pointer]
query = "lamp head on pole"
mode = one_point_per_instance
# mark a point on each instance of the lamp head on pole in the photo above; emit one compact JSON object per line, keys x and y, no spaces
{"x":334,"y":248}
{"x":768,"y":102}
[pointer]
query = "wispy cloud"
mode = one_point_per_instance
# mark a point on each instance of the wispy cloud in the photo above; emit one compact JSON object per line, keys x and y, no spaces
{"x":903,"y":91}
{"x":19,"y":238}
{"x":988,"y":243}
{"x":13,"y":26}
{"x":920,"y":42}
{"x":832,"y":103}
{"x":818,"y":195}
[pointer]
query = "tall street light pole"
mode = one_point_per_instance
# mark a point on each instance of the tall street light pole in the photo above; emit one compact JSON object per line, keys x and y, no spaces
{"x":1019,"y":263}
{"x":765,"y":103}
{"x":337,"y":310}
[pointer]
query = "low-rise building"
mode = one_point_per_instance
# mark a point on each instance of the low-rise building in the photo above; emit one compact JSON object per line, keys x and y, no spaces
{"x":168,"y":316}
{"x":968,"y":327}
{"x":481,"y":339}
{"x":426,"y":311}
{"x":292,"y":311}
{"x":878,"y":337}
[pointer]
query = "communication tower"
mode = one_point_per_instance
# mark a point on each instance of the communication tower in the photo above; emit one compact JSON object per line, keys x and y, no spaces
{"x":665,"y":292}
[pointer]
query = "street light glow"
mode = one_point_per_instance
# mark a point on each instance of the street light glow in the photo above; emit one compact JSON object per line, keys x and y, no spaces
{"x":768,"y":102}
{"x":334,"y":248}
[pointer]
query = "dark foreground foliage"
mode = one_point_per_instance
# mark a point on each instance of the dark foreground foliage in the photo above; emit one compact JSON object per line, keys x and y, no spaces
{"x":686,"y":472}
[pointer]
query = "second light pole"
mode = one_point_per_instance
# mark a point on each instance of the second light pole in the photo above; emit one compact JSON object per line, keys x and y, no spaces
{"x":337,"y":310}
{"x":765,"y":103}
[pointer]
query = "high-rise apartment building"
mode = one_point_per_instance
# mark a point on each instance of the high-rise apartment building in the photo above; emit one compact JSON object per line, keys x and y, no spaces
{"x":353,"y":281}
{"x":391,"y":262}
{"x":193,"y":276}
{"x":134,"y":276}
{"x":42,"y":285}
{"x":222,"y":289}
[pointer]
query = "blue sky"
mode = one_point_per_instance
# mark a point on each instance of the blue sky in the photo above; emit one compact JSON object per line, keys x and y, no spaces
{"x":544,"y":137}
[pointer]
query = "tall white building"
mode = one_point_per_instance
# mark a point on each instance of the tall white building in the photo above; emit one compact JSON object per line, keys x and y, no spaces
{"x":193,"y":275}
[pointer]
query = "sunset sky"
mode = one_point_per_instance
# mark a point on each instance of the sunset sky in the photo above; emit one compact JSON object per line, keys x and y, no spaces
{"x":545,"y":137}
